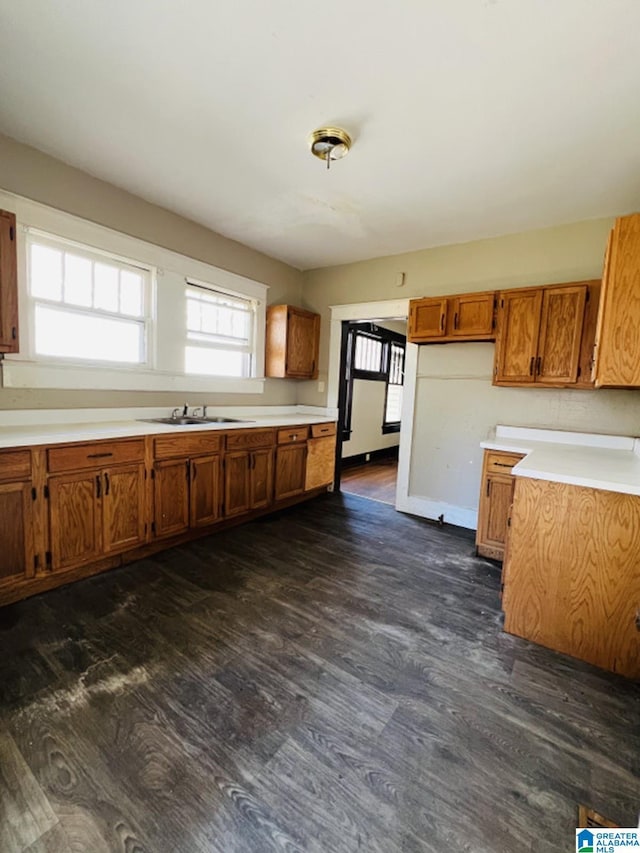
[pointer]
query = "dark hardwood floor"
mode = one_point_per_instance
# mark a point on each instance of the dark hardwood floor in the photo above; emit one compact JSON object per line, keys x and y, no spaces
{"x":331,"y":679}
{"x":375,"y":480}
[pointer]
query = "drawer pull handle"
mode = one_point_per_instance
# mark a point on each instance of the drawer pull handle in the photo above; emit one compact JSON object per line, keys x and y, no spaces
{"x":503,"y":464}
{"x":107,"y":484}
{"x":98,"y":455}
{"x":98,"y":486}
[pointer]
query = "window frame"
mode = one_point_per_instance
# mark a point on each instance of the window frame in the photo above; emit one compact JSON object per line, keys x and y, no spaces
{"x":387,"y":337}
{"x":91,"y":253}
{"x":165,"y":341}
{"x":249,"y":349}
{"x":393,"y":426}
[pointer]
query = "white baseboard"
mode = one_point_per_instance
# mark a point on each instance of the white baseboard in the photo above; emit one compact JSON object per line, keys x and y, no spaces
{"x":459,"y":515}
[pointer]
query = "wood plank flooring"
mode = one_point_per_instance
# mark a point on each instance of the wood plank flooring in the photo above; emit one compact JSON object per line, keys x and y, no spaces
{"x":332,"y":679}
{"x":375,"y":480}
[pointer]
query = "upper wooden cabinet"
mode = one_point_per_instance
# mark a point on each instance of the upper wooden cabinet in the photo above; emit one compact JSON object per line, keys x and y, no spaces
{"x":8,"y":284}
{"x":467,"y":317}
{"x":617,"y":345}
{"x":542,"y":335}
{"x":292,"y":342}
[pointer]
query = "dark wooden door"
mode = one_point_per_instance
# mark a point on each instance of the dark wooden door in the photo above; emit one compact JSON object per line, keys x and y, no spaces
{"x":519,"y":322}
{"x":16,"y":533}
{"x":261,"y":478}
{"x":206,"y":495}
{"x":427,"y":319}
{"x":171,"y":497}
{"x":123,"y":508}
{"x":75,"y":513}
{"x":290,"y":470}
{"x":237,"y":490}
{"x":560,"y":334}
{"x":303,"y":330}
{"x":8,"y":283}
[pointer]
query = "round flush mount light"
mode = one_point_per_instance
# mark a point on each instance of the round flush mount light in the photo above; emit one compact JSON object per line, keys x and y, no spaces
{"x":329,"y":143}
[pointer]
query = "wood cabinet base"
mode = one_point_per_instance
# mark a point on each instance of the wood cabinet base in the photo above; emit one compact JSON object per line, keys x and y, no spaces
{"x":47,"y":580}
{"x":571,"y":578}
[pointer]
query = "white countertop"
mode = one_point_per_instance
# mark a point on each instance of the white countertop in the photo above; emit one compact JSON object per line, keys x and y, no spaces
{"x":29,"y":434}
{"x":608,"y":462}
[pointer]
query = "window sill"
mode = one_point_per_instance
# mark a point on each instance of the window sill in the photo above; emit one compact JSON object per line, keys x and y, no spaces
{"x":31,"y":374}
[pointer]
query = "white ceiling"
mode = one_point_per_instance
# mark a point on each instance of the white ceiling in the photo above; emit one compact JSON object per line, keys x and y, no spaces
{"x":471,"y":118}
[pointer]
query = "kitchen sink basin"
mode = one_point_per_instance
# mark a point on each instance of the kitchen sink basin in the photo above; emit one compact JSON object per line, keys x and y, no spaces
{"x":182,"y":421}
{"x":175,"y":421}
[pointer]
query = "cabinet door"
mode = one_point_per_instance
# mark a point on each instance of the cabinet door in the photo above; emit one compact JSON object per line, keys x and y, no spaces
{"x":261,"y":479}
{"x":171,"y":497}
{"x":237,"y":497}
{"x":205,"y":491}
{"x":303,"y":330}
{"x":617,"y":350}
{"x":16,"y":533}
{"x":321,"y":460}
{"x":493,"y":516}
{"x":560,"y":334}
{"x":75,"y":513}
{"x":290,"y":470}
{"x":8,"y":284}
{"x":471,"y":316}
{"x":517,"y":339}
{"x":427,"y":319}
{"x":123,"y":508}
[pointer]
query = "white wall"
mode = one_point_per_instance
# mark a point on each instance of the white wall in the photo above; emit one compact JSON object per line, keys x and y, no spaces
{"x":455,"y":403}
{"x":366,"y":420}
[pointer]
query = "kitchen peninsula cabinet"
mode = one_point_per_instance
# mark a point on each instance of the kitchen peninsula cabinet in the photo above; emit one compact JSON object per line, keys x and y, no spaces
{"x":617,"y":345}
{"x":292,"y":343}
{"x":571,"y":579}
{"x":17,"y":555}
{"x":540,"y":335}
{"x":9,"y":340}
{"x":465,"y":317}
{"x":496,"y":495}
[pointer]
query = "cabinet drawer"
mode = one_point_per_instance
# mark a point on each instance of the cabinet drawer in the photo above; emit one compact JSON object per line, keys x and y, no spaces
{"x":501,"y":463}
{"x":94,"y":455}
{"x":320,"y":430}
{"x":15,"y":465}
{"x":171,"y":446}
{"x":249,"y":438}
{"x":289,"y":435}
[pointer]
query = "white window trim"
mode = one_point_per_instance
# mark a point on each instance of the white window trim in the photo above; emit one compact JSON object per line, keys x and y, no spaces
{"x":23,"y":370}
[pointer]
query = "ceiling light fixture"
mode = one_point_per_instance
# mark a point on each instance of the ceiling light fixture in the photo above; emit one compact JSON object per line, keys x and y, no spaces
{"x":329,"y":143}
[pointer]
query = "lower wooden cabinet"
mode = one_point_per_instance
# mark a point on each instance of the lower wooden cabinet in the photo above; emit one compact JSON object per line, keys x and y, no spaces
{"x":248,"y":480}
{"x":95,"y":513}
{"x":16,"y":533}
{"x":290,"y":470}
{"x":70,"y":510}
{"x":496,"y":495}
{"x":187,"y":493}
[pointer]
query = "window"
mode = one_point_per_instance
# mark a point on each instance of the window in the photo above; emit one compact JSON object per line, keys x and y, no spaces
{"x":87,"y":305}
{"x":376,"y":354}
{"x":220,"y":332}
{"x":395,"y":382}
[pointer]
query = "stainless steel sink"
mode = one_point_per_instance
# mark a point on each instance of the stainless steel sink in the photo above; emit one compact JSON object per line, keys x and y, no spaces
{"x":174,"y":421}
{"x":226,"y":421}
{"x":182,"y":421}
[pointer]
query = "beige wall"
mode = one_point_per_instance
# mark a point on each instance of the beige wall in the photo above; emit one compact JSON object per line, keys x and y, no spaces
{"x":455,"y":401}
{"x":29,"y":173}
{"x":367,"y":414}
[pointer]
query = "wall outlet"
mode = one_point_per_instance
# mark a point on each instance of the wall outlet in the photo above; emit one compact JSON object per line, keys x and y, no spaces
{"x":367,"y":457}
{"x":320,"y":386}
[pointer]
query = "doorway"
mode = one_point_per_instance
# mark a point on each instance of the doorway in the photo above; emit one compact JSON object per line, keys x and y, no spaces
{"x":372,"y":368}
